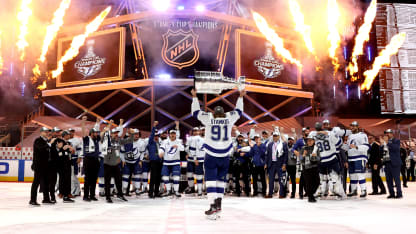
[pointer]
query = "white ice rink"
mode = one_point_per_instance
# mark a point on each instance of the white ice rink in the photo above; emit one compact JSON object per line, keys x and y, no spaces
{"x":186,"y":215}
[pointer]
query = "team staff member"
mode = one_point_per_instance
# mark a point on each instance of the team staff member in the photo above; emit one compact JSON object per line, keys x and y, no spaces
{"x":155,"y":162}
{"x":112,"y":145}
{"x":296,"y":148}
{"x":90,"y":154}
{"x":53,"y":164}
{"x":64,"y":151}
{"x":41,"y":151}
{"x":291,"y":166}
{"x":403,"y":157}
{"x":276,"y":161}
{"x":309,"y":157}
{"x":258,"y":155}
{"x":390,"y":147}
{"x":374,"y":163}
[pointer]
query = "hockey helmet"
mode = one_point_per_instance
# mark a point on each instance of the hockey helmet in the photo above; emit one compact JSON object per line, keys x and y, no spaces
{"x":318,"y":126}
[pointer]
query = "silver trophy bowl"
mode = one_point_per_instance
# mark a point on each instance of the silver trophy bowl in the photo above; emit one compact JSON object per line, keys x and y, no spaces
{"x":214,"y":82}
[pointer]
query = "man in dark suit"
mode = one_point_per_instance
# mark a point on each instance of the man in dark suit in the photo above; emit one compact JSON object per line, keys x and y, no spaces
{"x":374,"y":163}
{"x":390,"y":147}
{"x":403,"y":169}
{"x":276,"y":160}
{"x":41,"y":151}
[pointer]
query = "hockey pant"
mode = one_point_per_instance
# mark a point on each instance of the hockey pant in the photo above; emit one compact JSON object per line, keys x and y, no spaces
{"x":175,"y":171}
{"x":134,"y":170}
{"x":216,"y":169}
{"x":75,"y":185}
{"x":145,"y":174}
{"x":357,"y":175}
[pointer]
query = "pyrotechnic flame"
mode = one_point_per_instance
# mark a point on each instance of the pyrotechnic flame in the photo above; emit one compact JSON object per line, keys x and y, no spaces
{"x":300,"y":26}
{"x":383,"y":59}
{"x":53,"y":28}
{"x":362,"y":37}
{"x":43,"y":86}
{"x":333,"y":37}
{"x":274,"y":38}
{"x":79,"y":41}
{"x":23,"y":17}
{"x":1,"y":58}
{"x":36,"y":70}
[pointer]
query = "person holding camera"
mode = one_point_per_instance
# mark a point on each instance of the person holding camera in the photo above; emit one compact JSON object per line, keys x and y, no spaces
{"x":309,"y":157}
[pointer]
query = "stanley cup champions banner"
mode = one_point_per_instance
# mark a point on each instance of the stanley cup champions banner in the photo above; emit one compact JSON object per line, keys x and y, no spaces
{"x":259,"y":63}
{"x":101,"y":58}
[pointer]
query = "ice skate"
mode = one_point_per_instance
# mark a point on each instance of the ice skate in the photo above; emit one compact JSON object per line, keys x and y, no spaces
{"x":363,"y":194}
{"x":352,"y":194}
{"x":212,"y":212}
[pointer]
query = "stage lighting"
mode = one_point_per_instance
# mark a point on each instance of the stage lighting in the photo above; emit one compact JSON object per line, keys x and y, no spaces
{"x":161,"y":5}
{"x":200,"y":7}
{"x":180,"y":8}
{"x":163,"y":76}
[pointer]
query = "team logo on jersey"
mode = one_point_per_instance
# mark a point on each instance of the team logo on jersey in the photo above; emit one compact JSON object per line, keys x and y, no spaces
{"x":91,"y":63}
{"x":268,"y":65}
{"x":172,"y":150}
{"x":180,"y":48}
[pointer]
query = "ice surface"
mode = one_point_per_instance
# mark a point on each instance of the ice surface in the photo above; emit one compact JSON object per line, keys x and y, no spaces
{"x":186,"y":215}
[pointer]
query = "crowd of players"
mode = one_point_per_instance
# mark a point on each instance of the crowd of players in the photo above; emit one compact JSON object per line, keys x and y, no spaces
{"x":265,"y":163}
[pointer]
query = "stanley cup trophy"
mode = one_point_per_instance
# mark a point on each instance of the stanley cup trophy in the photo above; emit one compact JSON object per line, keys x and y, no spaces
{"x":214,"y":82}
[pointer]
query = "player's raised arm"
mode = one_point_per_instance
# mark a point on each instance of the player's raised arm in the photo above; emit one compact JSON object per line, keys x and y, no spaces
{"x":239,"y":106}
{"x":196,"y":110}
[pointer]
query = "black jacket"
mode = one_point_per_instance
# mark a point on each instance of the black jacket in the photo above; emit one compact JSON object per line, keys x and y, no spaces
{"x":41,"y":154}
{"x":375,"y":155}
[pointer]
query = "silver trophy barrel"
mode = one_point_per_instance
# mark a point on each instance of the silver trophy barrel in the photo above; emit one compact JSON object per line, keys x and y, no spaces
{"x":214,"y":82}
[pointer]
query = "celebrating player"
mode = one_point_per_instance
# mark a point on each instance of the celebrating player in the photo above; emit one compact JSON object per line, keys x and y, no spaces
{"x":218,"y":146}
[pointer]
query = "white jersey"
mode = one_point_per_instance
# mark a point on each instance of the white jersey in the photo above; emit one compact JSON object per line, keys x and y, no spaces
{"x":218,"y":140}
{"x":139,"y":148}
{"x":361,"y":141}
{"x":340,"y":132}
{"x":200,"y":151}
{"x":171,"y":155}
{"x":327,"y":145}
{"x":76,"y":143}
{"x":191,"y":147}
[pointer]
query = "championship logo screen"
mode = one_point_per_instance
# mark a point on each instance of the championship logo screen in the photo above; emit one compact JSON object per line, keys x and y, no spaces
{"x":100,"y":59}
{"x":259,"y":63}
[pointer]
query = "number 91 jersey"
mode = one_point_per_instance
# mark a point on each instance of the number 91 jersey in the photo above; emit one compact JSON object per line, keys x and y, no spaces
{"x":218,"y":141}
{"x":327,"y":145}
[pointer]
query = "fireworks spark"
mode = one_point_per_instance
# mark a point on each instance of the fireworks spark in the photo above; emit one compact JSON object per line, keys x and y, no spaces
{"x":334,"y":37}
{"x":274,"y":38}
{"x":362,"y":37}
{"x":79,"y":41}
{"x":23,"y":17}
{"x":383,"y":59}
{"x":53,"y":28}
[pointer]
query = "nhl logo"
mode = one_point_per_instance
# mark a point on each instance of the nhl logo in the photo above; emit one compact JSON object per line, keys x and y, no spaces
{"x":268,"y":65}
{"x":91,"y":63}
{"x":180,"y":48}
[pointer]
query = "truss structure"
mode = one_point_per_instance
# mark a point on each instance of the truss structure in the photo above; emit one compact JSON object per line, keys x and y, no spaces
{"x":155,"y":97}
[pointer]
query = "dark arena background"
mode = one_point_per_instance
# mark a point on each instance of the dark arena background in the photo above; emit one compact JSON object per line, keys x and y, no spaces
{"x":137,"y":60}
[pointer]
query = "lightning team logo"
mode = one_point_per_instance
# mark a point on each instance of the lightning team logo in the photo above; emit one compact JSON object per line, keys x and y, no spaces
{"x":91,"y":63}
{"x":268,"y":65}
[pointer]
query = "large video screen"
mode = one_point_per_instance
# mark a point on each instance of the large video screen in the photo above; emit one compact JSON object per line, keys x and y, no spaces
{"x":100,"y":59}
{"x":398,"y":81}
